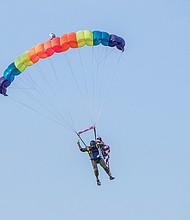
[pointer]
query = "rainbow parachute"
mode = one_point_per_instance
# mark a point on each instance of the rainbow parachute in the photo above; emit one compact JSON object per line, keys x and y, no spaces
{"x":57,"y":45}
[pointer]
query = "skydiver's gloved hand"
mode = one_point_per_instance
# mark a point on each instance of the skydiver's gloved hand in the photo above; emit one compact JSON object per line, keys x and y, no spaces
{"x":78,"y":143}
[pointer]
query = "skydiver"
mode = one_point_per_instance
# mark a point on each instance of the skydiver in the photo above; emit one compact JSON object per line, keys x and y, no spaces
{"x":96,"y":158}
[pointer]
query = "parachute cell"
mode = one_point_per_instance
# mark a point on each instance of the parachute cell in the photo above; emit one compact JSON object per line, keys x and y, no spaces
{"x":48,"y":48}
{"x":72,"y":39}
{"x":20,"y":64}
{"x":40,"y":51}
{"x":32,"y":55}
{"x":56,"y":46}
{"x":64,"y":42}
{"x":80,"y":38}
{"x":97,"y":37}
{"x":105,"y":38}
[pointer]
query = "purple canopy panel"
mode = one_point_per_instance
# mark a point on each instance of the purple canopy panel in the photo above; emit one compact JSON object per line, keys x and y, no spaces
{"x":3,"y":91}
{"x":7,"y":83}
{"x":120,"y":43}
{"x":2,"y":80}
{"x":113,"y":40}
{"x":4,"y":83}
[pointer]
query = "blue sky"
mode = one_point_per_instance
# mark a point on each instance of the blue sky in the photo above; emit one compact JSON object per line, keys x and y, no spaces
{"x":145,"y":118}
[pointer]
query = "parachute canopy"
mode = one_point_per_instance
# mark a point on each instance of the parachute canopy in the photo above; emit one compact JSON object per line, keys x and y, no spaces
{"x":57,"y":45}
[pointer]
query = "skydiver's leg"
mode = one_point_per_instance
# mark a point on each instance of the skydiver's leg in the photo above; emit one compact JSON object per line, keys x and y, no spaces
{"x":95,"y":167}
{"x":103,"y":164}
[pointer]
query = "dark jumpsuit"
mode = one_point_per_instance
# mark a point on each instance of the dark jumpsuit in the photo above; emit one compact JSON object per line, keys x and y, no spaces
{"x":96,"y":159}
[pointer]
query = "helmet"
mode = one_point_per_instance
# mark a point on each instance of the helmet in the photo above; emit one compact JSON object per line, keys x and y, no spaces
{"x":92,"y":143}
{"x":99,"y":139}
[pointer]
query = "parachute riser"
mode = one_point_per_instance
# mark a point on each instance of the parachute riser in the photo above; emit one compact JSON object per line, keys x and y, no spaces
{"x":95,"y":133}
{"x":81,"y":139}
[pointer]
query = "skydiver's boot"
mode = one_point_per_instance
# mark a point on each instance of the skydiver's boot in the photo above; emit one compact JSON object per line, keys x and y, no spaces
{"x":98,"y":183}
{"x":112,"y":178}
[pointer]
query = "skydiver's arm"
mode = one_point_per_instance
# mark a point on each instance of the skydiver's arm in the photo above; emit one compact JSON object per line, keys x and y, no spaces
{"x":80,"y":148}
